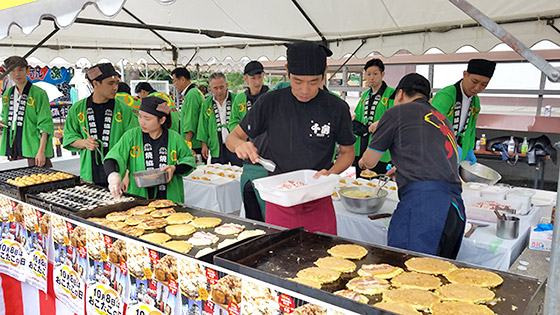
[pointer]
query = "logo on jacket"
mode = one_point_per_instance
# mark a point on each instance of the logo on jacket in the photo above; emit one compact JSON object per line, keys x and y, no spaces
{"x":135,"y":151}
{"x":118,"y":117}
{"x":81,"y":117}
{"x":450,"y":143}
{"x":319,"y":130}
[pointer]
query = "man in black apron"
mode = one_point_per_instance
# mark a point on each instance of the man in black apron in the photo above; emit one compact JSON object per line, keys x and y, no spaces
{"x":430,"y":217}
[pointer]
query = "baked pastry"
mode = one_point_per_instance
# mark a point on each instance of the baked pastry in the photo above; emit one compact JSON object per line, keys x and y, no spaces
{"x":335,"y":263}
{"x":117,"y":252}
{"x":447,"y":308}
{"x":429,"y":265}
{"x":138,"y":261}
{"x":78,"y":237}
{"x":249,"y":233}
{"x":166,"y":269}
{"x":352,"y":295}
{"x":416,"y":280}
{"x":60,"y":231}
{"x":115,"y":225}
{"x":203,"y":239}
{"x":465,"y":293}
{"x":161,"y":213}
{"x":307,"y":282}
{"x":132,"y":230}
{"x":397,"y":308}
{"x":321,"y":275}
{"x":179,"y":231}
{"x":45,"y":223}
{"x":161,"y":203}
{"x":348,"y":251}
{"x":118,"y":216}
{"x":481,"y":278}
{"x":179,"y":218}
{"x":30,"y":219}
{"x":136,"y":219}
{"x":153,"y":224}
{"x":229,"y":229}
{"x":381,"y":271}
{"x":206,"y":222}
{"x":156,"y":238}
{"x":95,"y":245}
{"x":368,"y":285}
{"x":179,"y":246}
{"x":417,"y":298}
{"x":140,"y":210}
{"x":227,"y":290}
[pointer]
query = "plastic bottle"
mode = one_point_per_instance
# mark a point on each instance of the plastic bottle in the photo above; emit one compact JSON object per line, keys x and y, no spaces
{"x":483,"y":141}
{"x":511,"y":145}
{"x":524,"y":145}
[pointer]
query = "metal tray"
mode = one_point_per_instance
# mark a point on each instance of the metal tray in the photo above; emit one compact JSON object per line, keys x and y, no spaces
{"x":150,"y":178}
{"x":101,"y":212}
{"x":20,"y":193}
{"x":273,"y":258}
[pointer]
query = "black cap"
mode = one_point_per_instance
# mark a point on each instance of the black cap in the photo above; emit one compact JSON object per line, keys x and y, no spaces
{"x":144,"y":86}
{"x":253,"y":67}
{"x":415,"y":82}
{"x":155,"y":106}
{"x":307,"y":58}
{"x":481,"y":67}
{"x":101,"y":71}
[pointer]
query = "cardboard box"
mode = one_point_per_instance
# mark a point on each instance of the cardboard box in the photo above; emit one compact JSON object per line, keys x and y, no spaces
{"x":540,"y":240}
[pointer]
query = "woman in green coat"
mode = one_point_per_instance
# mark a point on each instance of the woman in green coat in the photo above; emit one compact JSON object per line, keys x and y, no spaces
{"x":151,"y":146}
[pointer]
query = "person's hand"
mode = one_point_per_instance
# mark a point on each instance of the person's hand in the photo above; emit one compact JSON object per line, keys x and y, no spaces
{"x":204,"y":151}
{"x":373,"y":126}
{"x":40,"y":159}
{"x":392,"y":172}
{"x":90,"y":143}
{"x":322,"y":172}
{"x":354,"y":117}
{"x":247,"y":150}
{"x":115,"y":184}
{"x":362,"y":165}
{"x":58,"y":134}
{"x":470,"y":157}
{"x":170,"y":169}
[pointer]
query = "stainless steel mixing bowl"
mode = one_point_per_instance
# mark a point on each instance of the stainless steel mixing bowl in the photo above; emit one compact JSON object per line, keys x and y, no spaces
{"x":363,"y":205}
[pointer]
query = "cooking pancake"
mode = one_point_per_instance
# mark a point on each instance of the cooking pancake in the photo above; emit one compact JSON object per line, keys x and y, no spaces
{"x":352,"y":295}
{"x":429,"y":265}
{"x":249,"y":233}
{"x":179,"y":218}
{"x":132,"y":230}
{"x":162,"y":203}
{"x":368,"y":285}
{"x":152,"y":224}
{"x":160,"y":213}
{"x":118,"y":216}
{"x":101,"y":221}
{"x":156,"y":238}
{"x":321,"y":275}
{"x":381,"y":271}
{"x":335,"y":263}
{"x":481,"y":278}
{"x":179,"y":230}
{"x":417,"y":298}
{"x":398,"y":308}
{"x":206,"y":222}
{"x":115,"y":225}
{"x":307,"y":282}
{"x":348,"y":251}
{"x":463,"y":308}
{"x":465,"y":293}
{"x":140,"y":210}
{"x":416,"y":280}
{"x":229,"y":229}
{"x":180,"y":246}
{"x":137,"y":219}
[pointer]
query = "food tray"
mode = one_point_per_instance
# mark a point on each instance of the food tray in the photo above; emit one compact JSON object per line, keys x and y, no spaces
{"x":149,"y":178}
{"x":101,"y":212}
{"x":36,"y":200}
{"x":272,"y":258}
{"x":21,"y":192}
{"x":314,"y":188}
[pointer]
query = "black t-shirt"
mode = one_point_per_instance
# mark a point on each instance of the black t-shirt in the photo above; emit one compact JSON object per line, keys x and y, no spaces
{"x":420,"y":141}
{"x":300,"y":135}
{"x":251,"y":99}
{"x":97,"y":171}
{"x":261,"y":142}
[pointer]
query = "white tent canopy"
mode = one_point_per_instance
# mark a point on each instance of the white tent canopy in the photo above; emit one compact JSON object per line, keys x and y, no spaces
{"x":255,"y":29}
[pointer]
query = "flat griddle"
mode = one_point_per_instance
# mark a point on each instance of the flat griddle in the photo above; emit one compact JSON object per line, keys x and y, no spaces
{"x":101,"y":212}
{"x":21,"y":192}
{"x":272,"y":258}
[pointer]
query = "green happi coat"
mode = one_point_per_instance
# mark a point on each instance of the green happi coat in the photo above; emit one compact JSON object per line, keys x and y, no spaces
{"x":37,"y":118}
{"x":238,"y":110}
{"x":123,"y":120}
{"x":190,"y":112}
{"x":129,"y":154}
{"x":444,"y":101}
{"x":207,"y":130}
{"x":132,"y":101}
{"x":174,"y":113}
{"x":384,"y":104}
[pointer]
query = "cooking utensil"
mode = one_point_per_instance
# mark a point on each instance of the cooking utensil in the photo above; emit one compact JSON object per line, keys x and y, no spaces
{"x":97,"y":149}
{"x":267,"y":164}
{"x":508,"y":228}
{"x":150,"y":178}
{"x":385,"y":181}
{"x":474,"y":226}
{"x":499,"y":215}
{"x":362,"y":205}
{"x":379,"y":216}
{"x":478,"y":173}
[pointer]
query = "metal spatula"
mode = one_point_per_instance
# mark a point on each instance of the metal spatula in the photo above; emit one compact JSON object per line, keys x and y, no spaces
{"x":267,"y":164}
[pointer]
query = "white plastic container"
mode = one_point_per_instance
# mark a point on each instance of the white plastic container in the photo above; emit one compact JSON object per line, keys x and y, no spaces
{"x":495,"y":192}
{"x":523,"y":196}
{"x":313,"y":189}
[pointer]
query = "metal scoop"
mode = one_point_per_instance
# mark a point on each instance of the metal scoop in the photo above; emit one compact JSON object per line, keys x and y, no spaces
{"x":385,"y":181}
{"x":267,"y":164}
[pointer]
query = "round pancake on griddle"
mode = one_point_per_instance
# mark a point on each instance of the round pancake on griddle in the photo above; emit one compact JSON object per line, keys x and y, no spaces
{"x":417,"y":298}
{"x":481,"y":278}
{"x":137,"y":219}
{"x":156,"y":238}
{"x":307,"y":282}
{"x":321,"y":275}
{"x":206,"y":222}
{"x":335,"y":263}
{"x":381,"y":271}
{"x":138,"y":210}
{"x":348,"y":251}
{"x":398,"y":308}
{"x":179,"y":218}
{"x":465,"y":293}
{"x":463,"y":308}
{"x":180,"y":246}
{"x":115,"y":225}
{"x":368,"y":285}
{"x":352,"y":295}
{"x":118,"y":216}
{"x":432,"y":266}
{"x":416,"y":280}
{"x":161,"y":213}
{"x":161,"y":203}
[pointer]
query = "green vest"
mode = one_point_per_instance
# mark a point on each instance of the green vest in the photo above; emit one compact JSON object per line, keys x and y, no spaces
{"x":175,"y":117}
{"x":123,"y":119}
{"x":132,"y":101}
{"x":190,"y":112}
{"x":444,"y":101}
{"x":207,"y":130}
{"x":238,"y":110}
{"x":128,"y":153}
{"x":384,"y":104}
{"x":37,"y":118}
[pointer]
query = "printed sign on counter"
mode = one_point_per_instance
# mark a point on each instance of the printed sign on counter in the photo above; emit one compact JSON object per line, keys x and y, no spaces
{"x":12,"y":254}
{"x":36,"y":230}
{"x":195,"y":287}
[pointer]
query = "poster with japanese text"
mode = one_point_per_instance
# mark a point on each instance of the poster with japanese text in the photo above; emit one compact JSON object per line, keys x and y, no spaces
{"x":12,"y":255}
{"x":35,"y":232}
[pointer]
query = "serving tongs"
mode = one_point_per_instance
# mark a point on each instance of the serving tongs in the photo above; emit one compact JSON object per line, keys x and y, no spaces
{"x":385,"y":179}
{"x":89,"y":136}
{"x":267,"y":164}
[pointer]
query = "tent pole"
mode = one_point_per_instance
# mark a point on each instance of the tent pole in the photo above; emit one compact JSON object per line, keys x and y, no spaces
{"x":552,"y":73}
{"x":310,"y":21}
{"x":159,"y":63}
{"x":551,"y":296}
{"x":348,"y":59}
